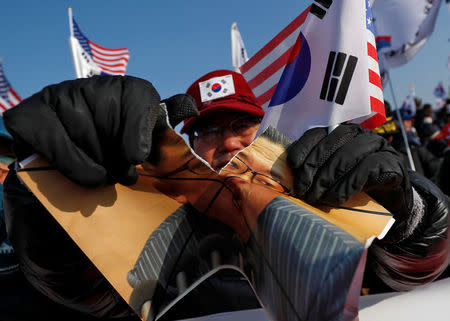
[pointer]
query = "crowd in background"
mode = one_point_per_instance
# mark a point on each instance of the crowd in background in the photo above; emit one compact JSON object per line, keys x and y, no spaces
{"x":428,"y":134}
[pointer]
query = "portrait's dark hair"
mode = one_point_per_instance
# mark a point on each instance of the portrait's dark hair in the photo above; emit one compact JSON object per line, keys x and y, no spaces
{"x":276,"y":137}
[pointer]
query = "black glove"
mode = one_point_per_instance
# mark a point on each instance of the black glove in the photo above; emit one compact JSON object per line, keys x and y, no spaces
{"x":330,"y":168}
{"x":425,"y":254}
{"x":94,"y":130}
{"x":434,"y":224}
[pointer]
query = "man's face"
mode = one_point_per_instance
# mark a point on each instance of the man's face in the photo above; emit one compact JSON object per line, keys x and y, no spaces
{"x":408,"y":124}
{"x":221,"y":135}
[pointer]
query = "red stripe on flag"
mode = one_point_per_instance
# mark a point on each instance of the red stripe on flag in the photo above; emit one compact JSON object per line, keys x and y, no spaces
{"x":372,"y":51}
{"x":270,"y":70}
{"x":109,"y":65}
{"x":375,"y":79}
{"x":115,"y":72}
{"x":275,"y":41}
{"x":377,"y":106}
{"x":109,"y":55}
{"x":107,"y":49}
{"x":374,"y":121}
{"x":3,"y":107}
{"x":283,"y":60}
{"x":13,"y":92}
{"x":113,"y":60}
{"x":379,"y":118}
{"x":295,"y":50}
{"x":262,"y":99}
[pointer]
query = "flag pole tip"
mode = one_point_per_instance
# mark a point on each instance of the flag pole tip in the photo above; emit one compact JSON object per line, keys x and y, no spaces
{"x":70,"y":9}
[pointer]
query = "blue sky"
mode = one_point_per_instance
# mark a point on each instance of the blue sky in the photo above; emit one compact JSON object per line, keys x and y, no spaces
{"x":172,"y":43}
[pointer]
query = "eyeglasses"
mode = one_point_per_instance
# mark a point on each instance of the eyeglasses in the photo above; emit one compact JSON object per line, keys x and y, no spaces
{"x":238,"y":167}
{"x":244,"y":126}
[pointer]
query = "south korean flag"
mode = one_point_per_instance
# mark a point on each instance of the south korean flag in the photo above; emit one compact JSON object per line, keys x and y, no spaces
{"x":217,"y":87}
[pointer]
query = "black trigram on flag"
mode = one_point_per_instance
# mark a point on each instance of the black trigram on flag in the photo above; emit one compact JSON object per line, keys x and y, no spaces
{"x":318,"y":11}
{"x":338,"y":76}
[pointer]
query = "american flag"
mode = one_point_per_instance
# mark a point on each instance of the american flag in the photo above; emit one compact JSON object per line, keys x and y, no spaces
{"x":109,"y":61}
{"x":264,"y":69}
{"x":8,"y":96}
{"x":378,"y":114}
{"x":319,"y":29}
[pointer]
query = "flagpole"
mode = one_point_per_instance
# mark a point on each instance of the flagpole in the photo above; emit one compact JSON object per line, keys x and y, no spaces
{"x":73,"y":46}
{"x":402,"y":128}
{"x":397,"y":110}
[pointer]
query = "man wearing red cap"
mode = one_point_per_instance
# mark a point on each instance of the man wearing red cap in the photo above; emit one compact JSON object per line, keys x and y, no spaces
{"x":96,"y":130}
{"x":229,"y":116}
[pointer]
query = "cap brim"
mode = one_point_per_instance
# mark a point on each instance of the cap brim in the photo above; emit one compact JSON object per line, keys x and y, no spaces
{"x":223,"y":106}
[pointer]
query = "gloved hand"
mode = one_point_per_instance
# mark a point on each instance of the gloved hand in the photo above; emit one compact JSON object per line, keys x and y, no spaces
{"x":94,"y":130}
{"x":425,"y":254}
{"x":330,"y":168}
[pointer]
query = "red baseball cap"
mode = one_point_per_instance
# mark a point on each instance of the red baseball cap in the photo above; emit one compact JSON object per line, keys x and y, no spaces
{"x":221,"y":90}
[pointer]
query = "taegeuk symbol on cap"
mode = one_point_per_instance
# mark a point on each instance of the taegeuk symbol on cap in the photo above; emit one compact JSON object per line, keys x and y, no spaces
{"x":217,"y":87}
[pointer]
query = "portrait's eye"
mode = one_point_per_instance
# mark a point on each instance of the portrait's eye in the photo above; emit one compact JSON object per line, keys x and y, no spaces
{"x":265,"y":181}
{"x":233,"y":165}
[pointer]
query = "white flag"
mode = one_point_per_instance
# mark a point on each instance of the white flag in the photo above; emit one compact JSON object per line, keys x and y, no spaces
{"x":238,"y":52}
{"x":331,"y":72}
{"x":403,"y":27}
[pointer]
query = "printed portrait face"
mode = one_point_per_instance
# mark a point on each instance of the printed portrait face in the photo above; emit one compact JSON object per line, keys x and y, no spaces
{"x":176,"y":172}
{"x":262,"y":164}
{"x":241,"y":189}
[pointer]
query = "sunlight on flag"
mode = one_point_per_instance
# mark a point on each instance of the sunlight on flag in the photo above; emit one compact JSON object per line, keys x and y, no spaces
{"x":321,"y":70}
{"x":92,"y":59}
